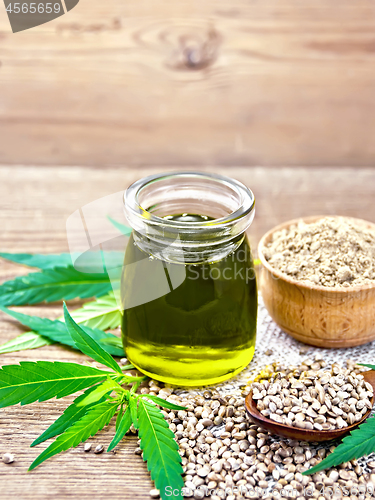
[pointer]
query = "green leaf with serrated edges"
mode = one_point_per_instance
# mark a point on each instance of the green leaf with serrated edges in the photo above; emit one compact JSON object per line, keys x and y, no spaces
{"x":111,"y":341}
{"x":93,"y":421}
{"x":73,"y":413}
{"x":133,"y":411}
{"x":105,"y":388}
{"x":102,"y":313}
{"x":57,"y":331}
{"x":127,"y":231}
{"x":360,"y":443}
{"x":41,"y":380}
{"x":91,"y":260}
{"x":47,"y":261}
{"x":160,"y":450}
{"x":86,"y":344}
{"x":122,"y":429}
{"x":119,"y":415}
{"x":28,"y":340}
{"x":163,"y":402}
{"x":368,"y":366}
{"x":63,"y":283}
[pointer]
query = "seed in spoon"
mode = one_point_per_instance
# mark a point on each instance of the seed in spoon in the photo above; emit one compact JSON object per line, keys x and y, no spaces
{"x":292,"y":401}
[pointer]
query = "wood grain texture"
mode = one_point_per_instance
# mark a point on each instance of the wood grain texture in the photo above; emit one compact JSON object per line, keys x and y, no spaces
{"x":34,"y":205}
{"x":233,"y":82}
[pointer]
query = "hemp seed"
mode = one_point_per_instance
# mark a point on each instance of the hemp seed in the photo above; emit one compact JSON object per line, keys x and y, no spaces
{"x":8,"y":458}
{"x":319,"y":406}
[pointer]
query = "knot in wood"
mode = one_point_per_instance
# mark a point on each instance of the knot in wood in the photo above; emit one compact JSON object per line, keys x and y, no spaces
{"x":196,"y":52}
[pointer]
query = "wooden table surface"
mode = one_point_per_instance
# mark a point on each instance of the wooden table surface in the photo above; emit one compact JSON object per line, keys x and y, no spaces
{"x":34,"y":205}
{"x":191,"y":82}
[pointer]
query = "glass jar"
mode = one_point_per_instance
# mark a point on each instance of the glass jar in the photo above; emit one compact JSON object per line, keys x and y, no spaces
{"x":188,"y":286}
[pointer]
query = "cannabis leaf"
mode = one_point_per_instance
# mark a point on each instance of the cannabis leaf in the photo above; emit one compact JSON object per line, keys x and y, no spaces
{"x":101,"y":390}
{"x":160,"y":450}
{"x":73,"y":413}
{"x":110,"y":340}
{"x":87,"y":344}
{"x":41,"y":261}
{"x":93,"y":421}
{"x":91,"y":260}
{"x":41,"y":380}
{"x":359,"y":443}
{"x":119,"y":416}
{"x":53,"y":284}
{"x":133,"y":411}
{"x":28,"y":340}
{"x":102,"y":313}
{"x":94,"y":409}
{"x":163,"y":402}
{"x":56,"y":331}
{"x":122,"y":429}
{"x":127,"y":231}
{"x":368,"y":366}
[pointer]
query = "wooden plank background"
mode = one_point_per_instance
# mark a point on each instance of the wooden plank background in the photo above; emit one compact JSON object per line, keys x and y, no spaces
{"x":34,"y":205}
{"x":227,"y":82}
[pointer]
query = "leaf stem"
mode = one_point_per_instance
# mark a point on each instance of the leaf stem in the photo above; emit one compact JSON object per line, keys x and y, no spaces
{"x":130,"y":380}
{"x":128,"y":367}
{"x":135,"y":387}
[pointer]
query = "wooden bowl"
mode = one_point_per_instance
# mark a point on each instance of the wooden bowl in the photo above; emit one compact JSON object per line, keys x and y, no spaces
{"x":303,"y":434}
{"x":317,"y":315}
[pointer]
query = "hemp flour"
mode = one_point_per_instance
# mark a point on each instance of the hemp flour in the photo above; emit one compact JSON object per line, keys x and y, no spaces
{"x":332,"y":252}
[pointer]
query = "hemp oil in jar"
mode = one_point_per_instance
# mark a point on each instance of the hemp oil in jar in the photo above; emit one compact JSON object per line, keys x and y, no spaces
{"x":190,"y":303}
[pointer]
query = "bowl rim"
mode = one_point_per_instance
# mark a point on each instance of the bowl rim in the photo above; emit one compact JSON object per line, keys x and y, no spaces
{"x":292,"y":281}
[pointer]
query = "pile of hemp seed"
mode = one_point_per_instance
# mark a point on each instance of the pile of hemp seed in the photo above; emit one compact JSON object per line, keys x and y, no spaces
{"x":225,"y":455}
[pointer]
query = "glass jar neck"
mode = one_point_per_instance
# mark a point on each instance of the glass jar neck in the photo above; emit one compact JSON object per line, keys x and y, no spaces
{"x":227,"y":203}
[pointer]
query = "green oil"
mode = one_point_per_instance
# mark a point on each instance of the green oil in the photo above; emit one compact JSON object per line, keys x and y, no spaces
{"x":200,"y":332}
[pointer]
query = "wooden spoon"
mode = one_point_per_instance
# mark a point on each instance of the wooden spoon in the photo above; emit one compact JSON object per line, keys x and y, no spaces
{"x":303,"y":434}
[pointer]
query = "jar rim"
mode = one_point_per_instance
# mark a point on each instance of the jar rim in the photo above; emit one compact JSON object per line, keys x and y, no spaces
{"x":132,"y":204}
